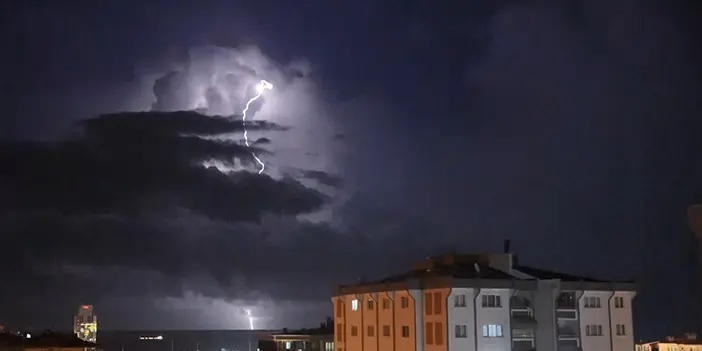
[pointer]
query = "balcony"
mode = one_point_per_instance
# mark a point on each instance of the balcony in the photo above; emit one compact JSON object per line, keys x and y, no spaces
{"x":519,"y":303}
{"x":523,"y":319}
{"x":567,"y":331}
{"x":566,"y":301}
{"x":522,"y":334}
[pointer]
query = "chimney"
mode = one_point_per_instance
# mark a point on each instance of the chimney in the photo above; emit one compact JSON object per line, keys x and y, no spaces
{"x":506,"y":248}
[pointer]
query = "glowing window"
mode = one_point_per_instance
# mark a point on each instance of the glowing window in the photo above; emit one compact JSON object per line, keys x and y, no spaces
{"x":354,"y":304}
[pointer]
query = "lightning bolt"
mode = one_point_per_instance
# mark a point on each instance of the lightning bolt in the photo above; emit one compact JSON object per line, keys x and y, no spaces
{"x":248,"y":314}
{"x":260,"y":88}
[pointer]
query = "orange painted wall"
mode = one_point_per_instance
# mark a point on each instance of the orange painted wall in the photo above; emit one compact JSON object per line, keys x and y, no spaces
{"x":370,"y":321}
{"x":404,"y":317}
{"x":435,"y":319}
{"x":354,"y":323}
{"x":385,"y":318}
{"x":339,"y":321}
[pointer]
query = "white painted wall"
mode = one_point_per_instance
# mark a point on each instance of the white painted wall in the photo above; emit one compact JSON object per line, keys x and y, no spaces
{"x":492,"y":315}
{"x":595,"y":316}
{"x":462,"y":316}
{"x":622,"y":316}
{"x":417,"y":295}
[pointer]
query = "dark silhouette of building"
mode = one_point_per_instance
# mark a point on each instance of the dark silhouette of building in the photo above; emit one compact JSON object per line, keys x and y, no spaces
{"x":20,"y":341}
{"x":315,"y":339}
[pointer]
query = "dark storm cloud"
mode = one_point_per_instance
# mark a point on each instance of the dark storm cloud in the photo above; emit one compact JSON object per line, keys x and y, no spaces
{"x":166,"y":253}
{"x":324,"y":178}
{"x":129,"y":162}
{"x":126,"y":209}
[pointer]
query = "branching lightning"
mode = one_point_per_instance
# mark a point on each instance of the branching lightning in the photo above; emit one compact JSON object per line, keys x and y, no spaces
{"x":260,"y":88}
{"x":248,"y":314}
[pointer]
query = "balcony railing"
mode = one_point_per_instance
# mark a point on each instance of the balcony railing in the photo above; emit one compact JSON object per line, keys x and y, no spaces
{"x":567,"y":332}
{"x":523,"y":319}
{"x":522,"y":333}
{"x":519,"y":303}
{"x":565,"y":305}
{"x":566,"y":301}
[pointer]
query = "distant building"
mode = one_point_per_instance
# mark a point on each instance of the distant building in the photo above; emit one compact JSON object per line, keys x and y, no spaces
{"x":47,"y":341}
{"x":483,"y":302}
{"x":318,"y":339}
{"x":687,"y":343}
{"x":85,"y":324}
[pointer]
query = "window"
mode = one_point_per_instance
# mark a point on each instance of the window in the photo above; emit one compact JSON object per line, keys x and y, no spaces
{"x":428,"y":310}
{"x":461,"y":331}
{"x":354,"y":304}
{"x":459,"y":300}
{"x":386,"y":330}
{"x":371,"y":330}
{"x":404,"y":302}
{"x":339,"y":332}
{"x":339,"y":308}
{"x":491,"y":301}
{"x":593,"y":330}
{"x":429,"y":333}
{"x":371,"y":304}
{"x":592,"y":302}
{"x":386,"y":303}
{"x":439,"y":333}
{"x":438,"y":303}
{"x":566,"y":301}
{"x":618,"y":302}
{"x":492,"y":331}
{"x":405,"y":331}
{"x":621,"y":329}
{"x":354,"y":330}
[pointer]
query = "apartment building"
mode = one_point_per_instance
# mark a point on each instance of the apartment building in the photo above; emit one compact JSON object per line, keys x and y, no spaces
{"x":481,"y":303}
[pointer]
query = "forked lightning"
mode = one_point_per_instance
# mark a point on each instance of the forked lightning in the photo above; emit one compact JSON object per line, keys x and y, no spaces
{"x":248,"y":314}
{"x":260,"y":88}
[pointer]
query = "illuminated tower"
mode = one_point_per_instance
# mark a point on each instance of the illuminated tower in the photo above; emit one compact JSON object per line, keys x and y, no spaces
{"x":85,"y":324}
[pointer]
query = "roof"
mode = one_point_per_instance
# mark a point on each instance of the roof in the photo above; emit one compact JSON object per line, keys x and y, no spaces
{"x":469,"y":267}
{"x":458,"y":271}
{"x":544,"y":274}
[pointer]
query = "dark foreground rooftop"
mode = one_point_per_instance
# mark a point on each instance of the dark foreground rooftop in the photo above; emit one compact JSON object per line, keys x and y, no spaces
{"x":44,"y":340}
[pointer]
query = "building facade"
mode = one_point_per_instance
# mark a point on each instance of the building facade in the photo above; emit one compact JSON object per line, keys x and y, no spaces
{"x":687,"y":343}
{"x":317,"y":339}
{"x":85,"y":324}
{"x":483,"y":303}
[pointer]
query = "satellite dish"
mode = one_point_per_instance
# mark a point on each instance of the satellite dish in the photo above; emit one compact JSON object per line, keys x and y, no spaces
{"x":694,"y":218}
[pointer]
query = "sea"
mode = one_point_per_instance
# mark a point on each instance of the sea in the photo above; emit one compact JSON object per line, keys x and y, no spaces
{"x":180,"y":340}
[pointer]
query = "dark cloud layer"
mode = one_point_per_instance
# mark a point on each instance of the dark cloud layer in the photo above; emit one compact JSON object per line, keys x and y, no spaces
{"x":127,"y":163}
{"x":102,"y":201}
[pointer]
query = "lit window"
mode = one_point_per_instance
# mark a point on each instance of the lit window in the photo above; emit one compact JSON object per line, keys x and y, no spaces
{"x":354,"y":304}
{"x":492,"y":331}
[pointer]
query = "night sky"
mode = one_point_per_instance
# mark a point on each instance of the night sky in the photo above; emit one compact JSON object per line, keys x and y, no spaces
{"x":396,"y":129}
